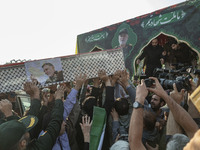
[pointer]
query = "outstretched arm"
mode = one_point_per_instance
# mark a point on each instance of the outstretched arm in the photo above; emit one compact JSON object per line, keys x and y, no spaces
{"x":180,"y":115}
{"x":109,"y":91}
{"x":172,"y":126}
{"x":136,"y":123}
{"x":71,"y":98}
{"x":47,"y":140}
{"x":34,"y":92}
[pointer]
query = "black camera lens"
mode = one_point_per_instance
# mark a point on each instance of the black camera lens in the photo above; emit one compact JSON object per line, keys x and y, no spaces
{"x":149,"y":82}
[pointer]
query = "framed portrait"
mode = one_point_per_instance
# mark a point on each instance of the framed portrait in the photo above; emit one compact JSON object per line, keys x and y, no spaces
{"x":44,"y":71}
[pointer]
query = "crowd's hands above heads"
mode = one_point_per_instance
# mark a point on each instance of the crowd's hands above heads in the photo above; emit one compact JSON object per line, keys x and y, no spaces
{"x":85,"y":127}
{"x":6,"y":107}
{"x":157,"y":88}
{"x":32,"y":89}
{"x":120,"y":76}
{"x":104,"y":77}
{"x":141,"y":92}
{"x":59,"y":94}
{"x":123,"y":80}
{"x":80,"y":80}
{"x":177,"y":96}
{"x":96,"y":82}
{"x":115,"y":77}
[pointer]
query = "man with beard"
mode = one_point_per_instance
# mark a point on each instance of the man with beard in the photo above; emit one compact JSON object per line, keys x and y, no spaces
{"x":153,"y":57}
{"x":183,"y":53}
{"x":156,"y":104}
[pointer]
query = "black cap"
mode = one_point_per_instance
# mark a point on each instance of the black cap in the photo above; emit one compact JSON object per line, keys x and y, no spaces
{"x":124,"y":30}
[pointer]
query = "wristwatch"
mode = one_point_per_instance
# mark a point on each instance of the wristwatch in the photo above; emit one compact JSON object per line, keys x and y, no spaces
{"x":137,"y":105}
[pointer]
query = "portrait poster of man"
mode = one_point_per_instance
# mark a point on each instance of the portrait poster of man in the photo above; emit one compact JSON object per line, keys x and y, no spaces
{"x":44,"y":71}
{"x":124,"y":38}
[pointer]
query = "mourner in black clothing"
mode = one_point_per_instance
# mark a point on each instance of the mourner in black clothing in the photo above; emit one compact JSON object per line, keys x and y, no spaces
{"x":153,"y":57}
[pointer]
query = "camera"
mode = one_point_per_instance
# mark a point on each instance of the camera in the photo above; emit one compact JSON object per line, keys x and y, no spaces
{"x":181,"y":83}
{"x":168,"y":77}
{"x":149,"y":82}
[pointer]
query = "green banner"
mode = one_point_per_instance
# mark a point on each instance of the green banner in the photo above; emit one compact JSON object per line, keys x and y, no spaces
{"x":181,"y":21}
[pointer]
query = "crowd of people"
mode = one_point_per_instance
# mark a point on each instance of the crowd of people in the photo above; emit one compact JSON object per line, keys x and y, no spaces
{"x":137,"y":116}
{"x":172,"y":55}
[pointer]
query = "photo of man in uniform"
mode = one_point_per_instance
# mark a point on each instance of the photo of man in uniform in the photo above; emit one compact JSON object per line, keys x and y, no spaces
{"x":53,"y":75}
{"x":122,"y":39}
{"x":44,"y":71}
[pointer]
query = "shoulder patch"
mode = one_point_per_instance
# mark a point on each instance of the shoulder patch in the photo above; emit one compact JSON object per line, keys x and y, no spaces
{"x":43,"y":133}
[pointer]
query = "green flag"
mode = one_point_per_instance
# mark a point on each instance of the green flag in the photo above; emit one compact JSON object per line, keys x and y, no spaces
{"x":98,"y":128}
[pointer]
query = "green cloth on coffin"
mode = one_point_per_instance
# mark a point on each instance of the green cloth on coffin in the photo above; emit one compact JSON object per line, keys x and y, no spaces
{"x":98,"y":124}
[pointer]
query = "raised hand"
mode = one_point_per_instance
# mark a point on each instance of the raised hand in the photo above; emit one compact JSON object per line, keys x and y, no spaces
{"x":85,"y":127}
{"x":6,"y":107}
{"x":28,"y":89}
{"x":158,"y":89}
{"x":177,"y":96}
{"x":80,"y":80}
{"x":116,"y":77}
{"x":141,"y":92}
{"x":32,"y":89}
{"x":96,"y":82}
{"x":102,"y":75}
{"x":124,"y":78}
{"x":59,"y":94}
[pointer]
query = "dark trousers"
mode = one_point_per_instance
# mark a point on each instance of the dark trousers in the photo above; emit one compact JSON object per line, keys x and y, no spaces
{"x":150,"y":69}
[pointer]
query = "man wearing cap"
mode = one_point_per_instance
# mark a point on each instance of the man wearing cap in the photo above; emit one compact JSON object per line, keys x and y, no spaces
{"x":14,"y":134}
{"x":123,"y":38}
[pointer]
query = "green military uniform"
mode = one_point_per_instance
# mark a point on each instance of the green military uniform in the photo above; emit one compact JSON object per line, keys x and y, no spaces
{"x":38,"y":111}
{"x":47,"y":140}
{"x":11,"y":130}
{"x":58,"y":76}
{"x":126,"y":50}
{"x":14,"y":117}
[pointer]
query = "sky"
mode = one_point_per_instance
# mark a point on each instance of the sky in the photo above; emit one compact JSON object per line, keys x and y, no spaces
{"x":40,"y":29}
